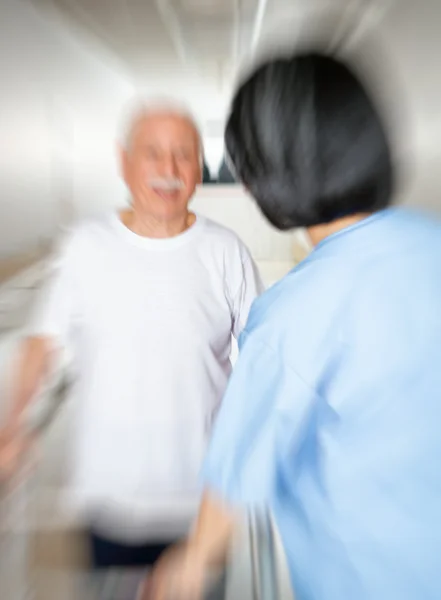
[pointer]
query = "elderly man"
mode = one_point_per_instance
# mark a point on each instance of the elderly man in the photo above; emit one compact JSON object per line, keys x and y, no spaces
{"x":148,"y":299}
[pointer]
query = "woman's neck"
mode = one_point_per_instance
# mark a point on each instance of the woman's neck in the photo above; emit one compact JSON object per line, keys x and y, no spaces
{"x":318,"y":233}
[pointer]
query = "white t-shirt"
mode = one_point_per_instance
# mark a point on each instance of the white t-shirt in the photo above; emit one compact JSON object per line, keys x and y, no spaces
{"x":149,"y":322}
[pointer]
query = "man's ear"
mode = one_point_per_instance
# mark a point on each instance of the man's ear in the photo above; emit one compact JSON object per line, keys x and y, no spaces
{"x":122,"y":160}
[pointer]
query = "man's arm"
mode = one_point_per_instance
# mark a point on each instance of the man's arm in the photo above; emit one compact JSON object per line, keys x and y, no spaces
{"x":250,"y":287}
{"x":48,"y":330}
{"x":33,"y":362}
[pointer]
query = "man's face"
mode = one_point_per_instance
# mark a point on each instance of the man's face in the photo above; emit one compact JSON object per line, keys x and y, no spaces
{"x":162,"y":165}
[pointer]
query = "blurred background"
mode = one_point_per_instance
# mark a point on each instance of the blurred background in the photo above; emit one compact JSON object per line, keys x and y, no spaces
{"x":68,"y":68}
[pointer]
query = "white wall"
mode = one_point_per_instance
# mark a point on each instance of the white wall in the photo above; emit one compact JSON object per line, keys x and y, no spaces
{"x":412,"y":33}
{"x":234,"y":208}
{"x":274,"y":252}
{"x":59,"y":107}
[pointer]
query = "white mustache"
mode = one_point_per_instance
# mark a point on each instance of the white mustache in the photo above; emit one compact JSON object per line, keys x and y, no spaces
{"x":166,"y":184}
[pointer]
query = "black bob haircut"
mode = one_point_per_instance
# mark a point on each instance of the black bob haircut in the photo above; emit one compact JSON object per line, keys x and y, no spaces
{"x":306,"y":140}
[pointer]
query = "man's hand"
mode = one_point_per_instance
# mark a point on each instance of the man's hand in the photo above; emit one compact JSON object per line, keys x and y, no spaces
{"x":181,"y":574}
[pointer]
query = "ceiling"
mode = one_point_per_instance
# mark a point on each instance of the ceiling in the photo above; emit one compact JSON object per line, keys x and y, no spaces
{"x":195,"y":48}
{"x":207,"y":39}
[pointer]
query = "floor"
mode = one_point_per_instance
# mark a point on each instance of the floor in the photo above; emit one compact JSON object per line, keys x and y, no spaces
{"x":58,"y":571}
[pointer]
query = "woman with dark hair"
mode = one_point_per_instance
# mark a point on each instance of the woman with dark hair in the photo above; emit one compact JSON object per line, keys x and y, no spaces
{"x":332,"y":417}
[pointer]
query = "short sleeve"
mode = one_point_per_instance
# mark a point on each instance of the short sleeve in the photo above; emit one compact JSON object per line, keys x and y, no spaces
{"x":263,"y":420}
{"x":250,"y":287}
{"x":57,"y":305}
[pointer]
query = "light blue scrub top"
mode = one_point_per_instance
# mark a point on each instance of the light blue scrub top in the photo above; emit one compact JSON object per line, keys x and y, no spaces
{"x":332,"y":417}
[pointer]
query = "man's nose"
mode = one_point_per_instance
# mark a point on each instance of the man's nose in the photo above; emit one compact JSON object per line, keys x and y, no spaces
{"x":169,"y":166}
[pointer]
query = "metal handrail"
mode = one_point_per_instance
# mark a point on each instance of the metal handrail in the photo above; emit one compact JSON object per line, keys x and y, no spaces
{"x":15,"y":533}
{"x":18,"y":496}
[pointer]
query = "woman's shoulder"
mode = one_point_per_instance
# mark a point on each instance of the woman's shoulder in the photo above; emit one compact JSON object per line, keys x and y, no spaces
{"x":304,"y":289}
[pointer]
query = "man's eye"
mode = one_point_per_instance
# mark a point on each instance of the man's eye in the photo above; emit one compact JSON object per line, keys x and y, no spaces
{"x":184,"y":156}
{"x":151,"y":153}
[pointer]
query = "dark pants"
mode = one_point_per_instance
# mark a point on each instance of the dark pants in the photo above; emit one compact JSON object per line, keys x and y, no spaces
{"x":106,"y":554}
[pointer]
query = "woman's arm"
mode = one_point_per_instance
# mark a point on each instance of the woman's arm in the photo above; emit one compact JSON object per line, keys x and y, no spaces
{"x":182,"y":573}
{"x":213,"y":532}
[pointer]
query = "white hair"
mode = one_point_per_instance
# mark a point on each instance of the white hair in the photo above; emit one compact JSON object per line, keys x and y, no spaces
{"x":141,"y":109}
